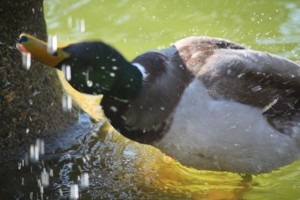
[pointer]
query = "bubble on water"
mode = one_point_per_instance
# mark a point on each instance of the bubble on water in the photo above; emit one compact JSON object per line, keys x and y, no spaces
{"x":44,"y":178}
{"x":26,"y":60}
{"x":66,"y":102}
{"x":74,"y":192}
{"x":84,"y":179}
{"x":80,"y":25}
{"x":52,"y":44}
{"x":66,"y":70}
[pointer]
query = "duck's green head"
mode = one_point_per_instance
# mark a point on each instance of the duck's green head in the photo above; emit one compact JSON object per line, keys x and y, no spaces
{"x":95,"y":67}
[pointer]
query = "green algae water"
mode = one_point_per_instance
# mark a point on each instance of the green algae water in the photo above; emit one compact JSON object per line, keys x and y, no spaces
{"x":98,"y":163}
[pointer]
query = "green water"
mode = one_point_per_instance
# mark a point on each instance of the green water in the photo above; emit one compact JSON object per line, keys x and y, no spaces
{"x":120,"y":169}
{"x":136,"y":26}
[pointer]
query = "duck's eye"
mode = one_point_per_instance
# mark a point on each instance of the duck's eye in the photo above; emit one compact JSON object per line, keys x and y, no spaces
{"x":22,"y":39}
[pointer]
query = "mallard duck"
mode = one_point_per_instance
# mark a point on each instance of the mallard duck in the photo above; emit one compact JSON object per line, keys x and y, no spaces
{"x":207,"y":102}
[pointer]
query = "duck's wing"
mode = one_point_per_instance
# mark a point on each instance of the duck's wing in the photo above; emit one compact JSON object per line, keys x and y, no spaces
{"x":256,"y":79}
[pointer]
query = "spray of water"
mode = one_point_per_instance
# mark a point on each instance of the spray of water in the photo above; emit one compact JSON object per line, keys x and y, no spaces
{"x":66,"y":69}
{"x":52,"y":44}
{"x":26,"y":60}
{"x":74,"y":192}
{"x":66,"y":102}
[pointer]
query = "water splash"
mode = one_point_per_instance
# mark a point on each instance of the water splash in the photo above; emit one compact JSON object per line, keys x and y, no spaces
{"x":66,"y":102}
{"x":26,"y":60}
{"x":52,"y":44}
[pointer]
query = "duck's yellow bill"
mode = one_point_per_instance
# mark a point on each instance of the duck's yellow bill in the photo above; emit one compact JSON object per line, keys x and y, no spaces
{"x":39,"y":50}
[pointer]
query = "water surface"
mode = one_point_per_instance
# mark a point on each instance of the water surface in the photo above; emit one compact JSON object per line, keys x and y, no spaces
{"x":120,"y":169}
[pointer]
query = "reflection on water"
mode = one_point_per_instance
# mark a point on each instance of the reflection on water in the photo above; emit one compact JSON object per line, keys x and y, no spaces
{"x":94,"y":161}
{"x":116,"y":169}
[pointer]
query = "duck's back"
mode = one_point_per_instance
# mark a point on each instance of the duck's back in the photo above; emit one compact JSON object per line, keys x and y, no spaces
{"x":241,"y":113}
{"x":217,"y":105}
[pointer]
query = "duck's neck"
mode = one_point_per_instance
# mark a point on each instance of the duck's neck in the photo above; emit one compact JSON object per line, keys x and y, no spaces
{"x":147,"y":117}
{"x":116,"y":109}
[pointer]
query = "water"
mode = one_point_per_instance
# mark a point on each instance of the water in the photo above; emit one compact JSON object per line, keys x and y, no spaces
{"x":99,"y":163}
{"x":52,"y":44}
{"x":66,"y":102}
{"x":66,"y":70}
{"x":26,"y":60}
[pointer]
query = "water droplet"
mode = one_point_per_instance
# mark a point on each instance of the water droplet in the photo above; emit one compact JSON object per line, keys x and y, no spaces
{"x":241,"y":75}
{"x":112,"y":74}
{"x":34,"y":153}
{"x":70,"y":22}
{"x":89,"y":82}
{"x":74,"y":192}
{"x":162,"y":108}
{"x":84,"y":179}
{"x":66,"y":102}
{"x":51,"y":172}
{"x":80,"y":25}
{"x":256,"y":88}
{"x":52,"y":44}
{"x":40,"y":144}
{"x":27,"y":130}
{"x":44,"y":178}
{"x":115,"y":68}
{"x":26,"y":60}
{"x":113,"y":59}
{"x":66,"y":69}
{"x":113,"y":108}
